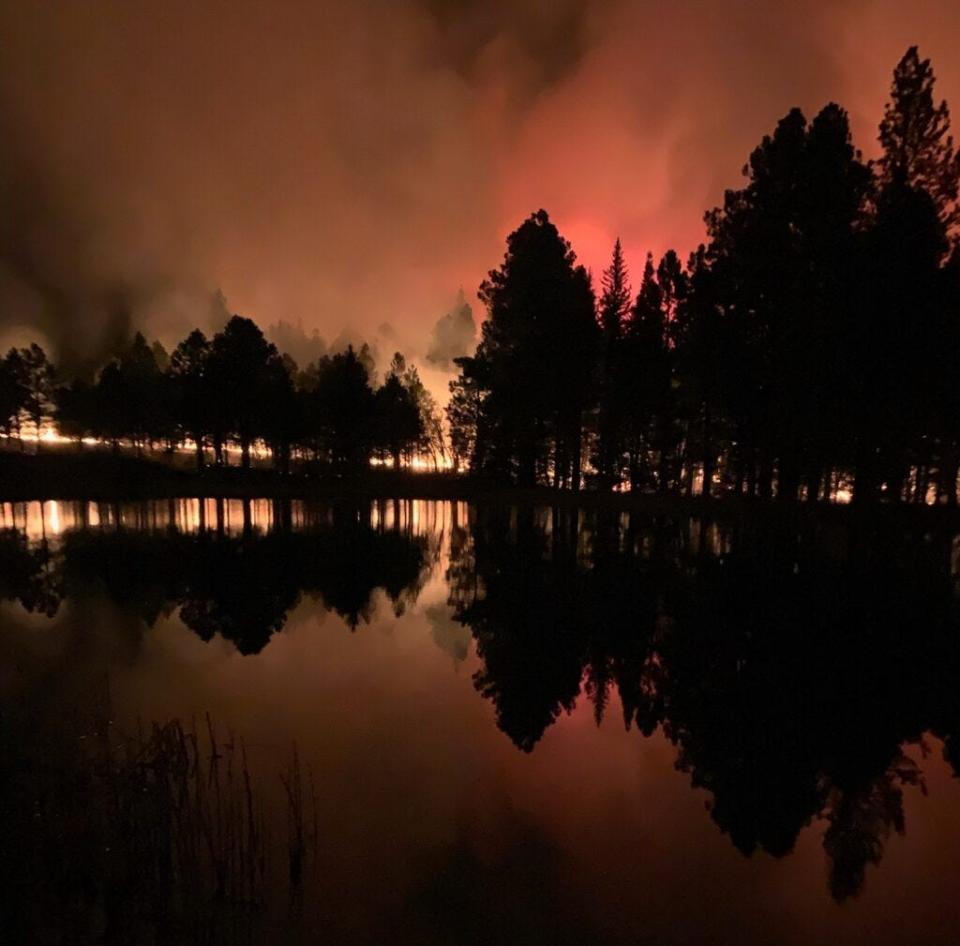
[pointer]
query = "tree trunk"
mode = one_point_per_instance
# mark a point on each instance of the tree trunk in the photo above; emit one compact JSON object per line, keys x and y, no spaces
{"x":527,"y":472}
{"x":923,"y":484}
{"x":865,"y":478}
{"x":752,"y":480}
{"x":765,"y":478}
{"x":947,"y":478}
{"x":708,"y":457}
{"x":577,"y":457}
{"x":788,"y":482}
{"x":662,"y":472}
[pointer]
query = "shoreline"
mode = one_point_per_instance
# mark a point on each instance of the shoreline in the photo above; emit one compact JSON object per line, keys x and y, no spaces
{"x":104,"y":477}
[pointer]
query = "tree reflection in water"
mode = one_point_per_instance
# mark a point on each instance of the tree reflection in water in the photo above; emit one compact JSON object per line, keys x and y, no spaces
{"x":794,"y":664}
{"x":241,"y":586}
{"x":788,"y":663}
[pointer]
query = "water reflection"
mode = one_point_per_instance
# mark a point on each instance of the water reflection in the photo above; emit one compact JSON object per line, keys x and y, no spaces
{"x":788,"y":666}
{"x":799,"y":669}
{"x":230,"y":567}
{"x":46,"y":521}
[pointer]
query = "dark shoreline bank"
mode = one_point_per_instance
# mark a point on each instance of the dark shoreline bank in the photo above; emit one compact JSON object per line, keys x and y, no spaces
{"x":102,"y":476}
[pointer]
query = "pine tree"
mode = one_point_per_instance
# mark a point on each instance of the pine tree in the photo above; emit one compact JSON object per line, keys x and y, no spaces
{"x":614,"y":311}
{"x":643,"y":380}
{"x":190,"y":392}
{"x":912,"y":325}
{"x":539,"y":343}
{"x":616,"y":297}
{"x":915,"y":135}
{"x":34,"y":373}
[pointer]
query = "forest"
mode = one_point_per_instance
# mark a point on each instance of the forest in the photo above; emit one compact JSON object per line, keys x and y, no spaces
{"x":811,"y":344}
{"x":232,"y":391}
{"x":808,"y":349}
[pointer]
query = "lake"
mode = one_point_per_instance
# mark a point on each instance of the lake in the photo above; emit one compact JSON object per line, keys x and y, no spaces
{"x":432,"y":722}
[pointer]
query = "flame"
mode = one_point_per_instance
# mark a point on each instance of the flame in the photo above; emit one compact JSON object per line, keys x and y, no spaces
{"x":50,"y":434}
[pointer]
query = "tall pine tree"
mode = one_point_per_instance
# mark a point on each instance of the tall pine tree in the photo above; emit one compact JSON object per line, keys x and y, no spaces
{"x":614,"y":311}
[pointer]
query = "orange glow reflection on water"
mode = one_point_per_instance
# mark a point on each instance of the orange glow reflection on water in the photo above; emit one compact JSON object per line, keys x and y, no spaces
{"x":49,"y":519}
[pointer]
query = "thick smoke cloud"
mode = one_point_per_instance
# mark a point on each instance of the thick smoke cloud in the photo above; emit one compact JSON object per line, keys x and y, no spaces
{"x":341,"y":164}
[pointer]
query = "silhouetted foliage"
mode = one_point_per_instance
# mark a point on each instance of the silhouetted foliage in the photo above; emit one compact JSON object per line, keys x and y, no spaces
{"x":399,"y":426}
{"x":243,"y":367}
{"x":612,"y":407}
{"x":537,"y":359}
{"x":343,"y":410}
{"x":189,"y":389}
{"x":32,"y":378}
{"x":12,"y":395}
{"x":915,"y":135}
{"x":643,"y":379}
{"x":465,"y":414}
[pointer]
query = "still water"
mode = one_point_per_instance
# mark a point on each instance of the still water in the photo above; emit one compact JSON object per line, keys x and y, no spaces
{"x":476,"y":725}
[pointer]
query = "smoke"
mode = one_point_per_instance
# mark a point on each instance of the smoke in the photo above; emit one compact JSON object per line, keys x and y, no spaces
{"x":294,"y":341}
{"x":340,"y":165}
{"x":454,"y":335}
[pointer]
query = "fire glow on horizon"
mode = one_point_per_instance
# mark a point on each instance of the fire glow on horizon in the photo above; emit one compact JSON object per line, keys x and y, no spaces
{"x":49,"y":434}
{"x":419,"y":463}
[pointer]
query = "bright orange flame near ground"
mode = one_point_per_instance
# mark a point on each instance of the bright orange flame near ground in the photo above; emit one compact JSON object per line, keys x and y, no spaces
{"x":49,"y":434}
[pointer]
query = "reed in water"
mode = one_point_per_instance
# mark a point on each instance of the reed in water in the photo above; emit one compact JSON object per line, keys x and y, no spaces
{"x":158,"y":835}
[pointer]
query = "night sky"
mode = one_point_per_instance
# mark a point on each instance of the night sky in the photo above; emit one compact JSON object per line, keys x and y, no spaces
{"x":350,"y":164}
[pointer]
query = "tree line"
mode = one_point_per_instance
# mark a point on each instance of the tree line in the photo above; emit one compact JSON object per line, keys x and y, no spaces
{"x":234,"y":389}
{"x":811,"y":344}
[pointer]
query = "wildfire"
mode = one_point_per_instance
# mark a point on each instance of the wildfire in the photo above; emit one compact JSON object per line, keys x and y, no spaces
{"x":49,"y":434}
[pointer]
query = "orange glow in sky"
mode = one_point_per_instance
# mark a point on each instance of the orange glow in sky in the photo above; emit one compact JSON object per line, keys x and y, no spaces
{"x":350,"y":166}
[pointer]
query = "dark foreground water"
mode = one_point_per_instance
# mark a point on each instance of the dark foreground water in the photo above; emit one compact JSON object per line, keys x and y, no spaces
{"x":432,"y":723}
